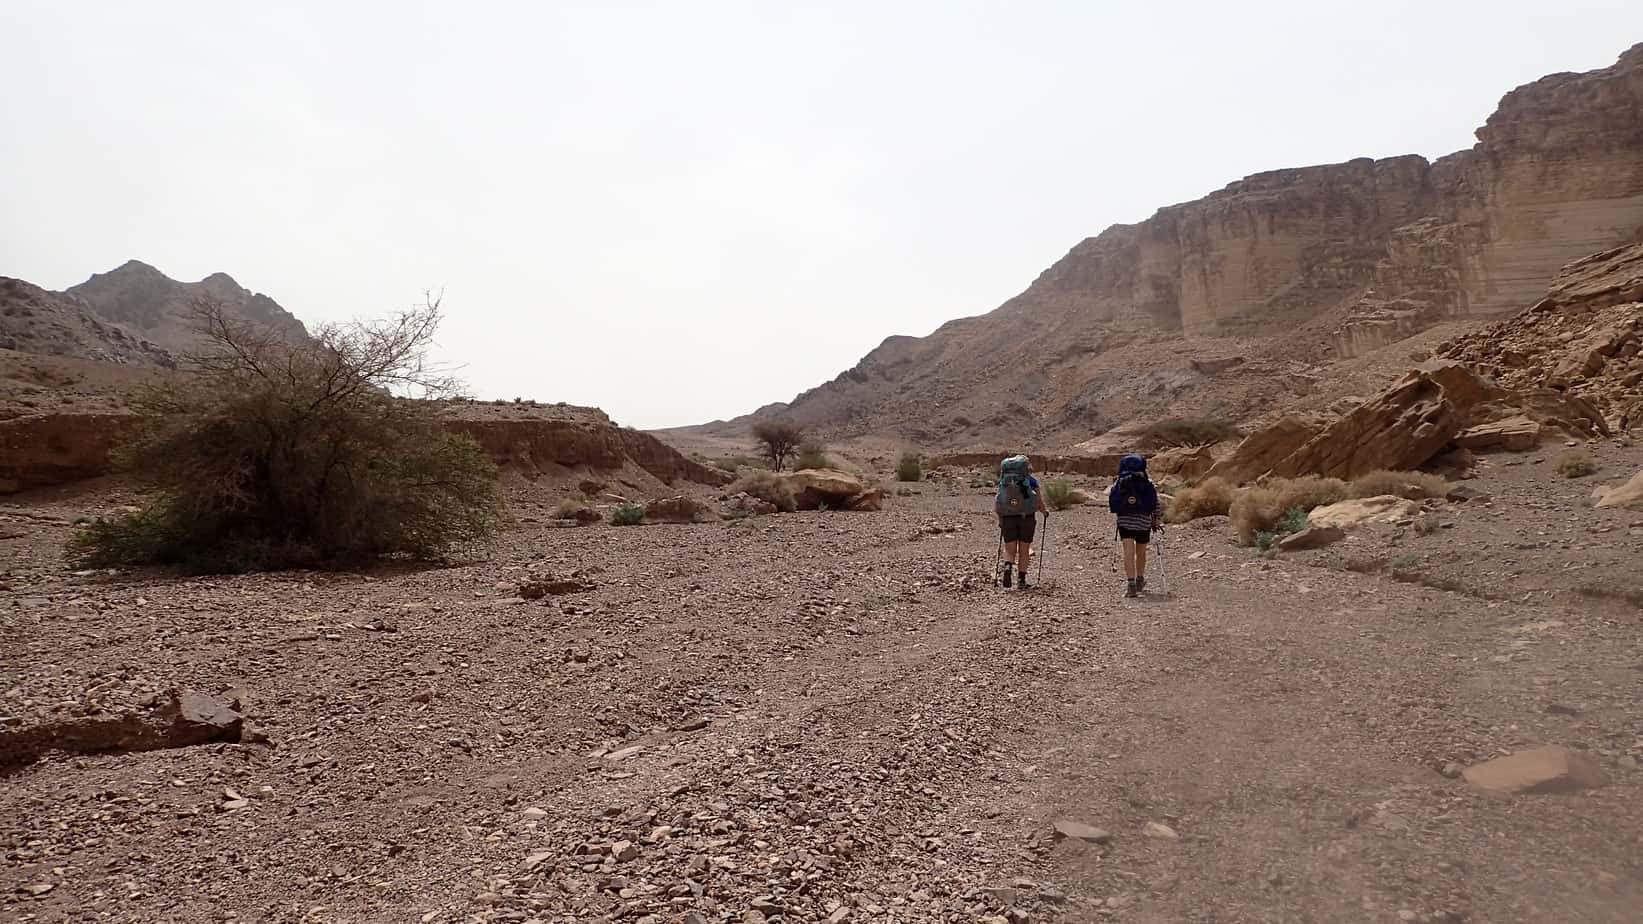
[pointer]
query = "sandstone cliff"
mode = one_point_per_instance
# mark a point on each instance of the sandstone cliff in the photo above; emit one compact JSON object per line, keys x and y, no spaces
{"x":1324,"y":261}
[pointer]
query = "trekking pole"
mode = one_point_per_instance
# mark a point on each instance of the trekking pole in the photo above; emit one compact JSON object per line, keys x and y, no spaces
{"x":1044,"y":548}
{"x":1163,"y":571}
{"x":998,"y":556}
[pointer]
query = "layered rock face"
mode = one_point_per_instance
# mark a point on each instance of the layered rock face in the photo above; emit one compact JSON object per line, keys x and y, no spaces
{"x":33,"y":320}
{"x":1365,"y":253}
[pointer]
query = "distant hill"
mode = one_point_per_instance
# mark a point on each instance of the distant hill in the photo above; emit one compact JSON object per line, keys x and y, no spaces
{"x":132,"y":315}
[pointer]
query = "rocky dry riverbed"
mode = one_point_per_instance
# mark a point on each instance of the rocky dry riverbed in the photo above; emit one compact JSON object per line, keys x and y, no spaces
{"x":836,"y":717}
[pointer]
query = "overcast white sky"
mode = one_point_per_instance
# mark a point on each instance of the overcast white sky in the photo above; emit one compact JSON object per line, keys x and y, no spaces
{"x":681,"y":211}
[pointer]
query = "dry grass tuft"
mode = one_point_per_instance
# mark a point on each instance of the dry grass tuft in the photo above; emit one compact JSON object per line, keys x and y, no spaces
{"x":766,"y":486}
{"x":1209,"y":498}
{"x":1260,"y":508}
{"x":1576,"y":463}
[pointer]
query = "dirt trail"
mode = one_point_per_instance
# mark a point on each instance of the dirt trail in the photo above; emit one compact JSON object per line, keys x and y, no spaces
{"x":817,"y":717}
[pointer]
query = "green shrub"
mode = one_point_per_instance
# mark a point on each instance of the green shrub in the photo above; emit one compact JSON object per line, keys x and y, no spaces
{"x":1405,"y":562}
{"x":812,"y":460}
{"x":1576,"y":464}
{"x":628,"y":514}
{"x":1260,"y":508}
{"x":1060,"y":494}
{"x":910,"y":467}
{"x":766,"y":486}
{"x":1293,"y":521}
{"x":1186,"y":431}
{"x":734,"y":464}
{"x":271,"y":454}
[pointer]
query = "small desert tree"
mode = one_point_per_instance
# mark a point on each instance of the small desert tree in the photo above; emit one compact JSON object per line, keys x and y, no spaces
{"x":779,"y":440}
{"x":273,"y":453}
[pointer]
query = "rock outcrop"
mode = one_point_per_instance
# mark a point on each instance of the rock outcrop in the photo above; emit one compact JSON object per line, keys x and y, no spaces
{"x":1358,"y":254}
{"x":1581,"y":344}
{"x":816,"y":489}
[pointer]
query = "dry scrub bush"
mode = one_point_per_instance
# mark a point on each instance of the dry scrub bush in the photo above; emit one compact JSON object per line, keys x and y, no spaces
{"x":812,"y":455}
{"x":276,"y":454}
{"x":628,"y":514}
{"x":909,"y":467}
{"x":778,"y":440}
{"x":1576,"y":464}
{"x":766,"y":486}
{"x":1060,"y":494}
{"x":1407,"y":485}
{"x":1260,"y":508}
{"x":1209,"y":498}
{"x":1186,"y":431}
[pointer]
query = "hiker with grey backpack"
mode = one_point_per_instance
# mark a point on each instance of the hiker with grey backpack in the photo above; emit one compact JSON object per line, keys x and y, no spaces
{"x":1018,"y":503}
{"x":1134,"y":500}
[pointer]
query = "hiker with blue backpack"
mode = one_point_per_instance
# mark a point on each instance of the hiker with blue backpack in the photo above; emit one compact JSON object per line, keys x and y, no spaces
{"x":1134,"y":499}
{"x":1018,"y":503}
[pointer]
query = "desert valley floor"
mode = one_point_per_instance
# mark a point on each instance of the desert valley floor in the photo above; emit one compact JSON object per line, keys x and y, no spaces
{"x":836,"y":717}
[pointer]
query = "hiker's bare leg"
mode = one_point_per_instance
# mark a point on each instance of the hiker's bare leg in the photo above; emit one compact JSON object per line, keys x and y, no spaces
{"x":1140,"y":558}
{"x":1010,"y":552}
{"x":1129,"y":559}
{"x":1024,"y":557}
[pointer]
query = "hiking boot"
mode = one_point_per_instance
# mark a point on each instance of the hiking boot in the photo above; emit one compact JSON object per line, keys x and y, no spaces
{"x":1134,"y":589}
{"x":1021,"y":582}
{"x":1008,"y":571}
{"x":1140,"y":585}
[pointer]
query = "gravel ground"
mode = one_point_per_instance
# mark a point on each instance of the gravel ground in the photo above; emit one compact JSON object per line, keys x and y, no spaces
{"x":836,"y":717}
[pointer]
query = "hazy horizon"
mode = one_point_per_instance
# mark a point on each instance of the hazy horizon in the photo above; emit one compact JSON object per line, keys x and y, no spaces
{"x":683,"y":213}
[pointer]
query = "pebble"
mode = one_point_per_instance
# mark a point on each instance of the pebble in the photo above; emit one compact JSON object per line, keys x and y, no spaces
{"x":1159,"y":831}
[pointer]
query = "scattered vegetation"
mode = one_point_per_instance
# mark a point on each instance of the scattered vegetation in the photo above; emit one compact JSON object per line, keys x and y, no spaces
{"x":910,"y":467}
{"x":1405,"y":562}
{"x":766,"y":486}
{"x":813,"y":455}
{"x":1293,"y":521}
{"x":1407,"y":485}
{"x":628,"y":514}
{"x":1576,"y":463}
{"x":1260,"y":508}
{"x":275,"y":454}
{"x":1060,"y":494}
{"x":779,"y":441}
{"x":1211,"y":497}
{"x":734,"y":464}
{"x":1186,"y":431}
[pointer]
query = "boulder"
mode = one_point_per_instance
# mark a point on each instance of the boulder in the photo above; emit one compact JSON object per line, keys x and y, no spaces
{"x":1079,"y":831}
{"x":1541,"y":770}
{"x":814,"y":488}
{"x":1265,"y":448}
{"x":200,"y":719}
{"x":1313,"y":537}
{"x":680,"y":508}
{"x":1514,"y":434}
{"x":1629,"y":494}
{"x":1348,"y":514}
{"x":1187,"y":463}
{"x":871,"y":500}
{"x":1214,"y":366}
{"x":743,"y":504}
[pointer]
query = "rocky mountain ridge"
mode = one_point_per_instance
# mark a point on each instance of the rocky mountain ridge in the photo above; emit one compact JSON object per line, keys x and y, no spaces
{"x":1321,"y":262}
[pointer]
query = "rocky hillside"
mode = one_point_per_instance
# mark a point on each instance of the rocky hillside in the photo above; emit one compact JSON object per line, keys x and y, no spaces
{"x":146,"y":301}
{"x":33,"y":320}
{"x":1313,"y":263}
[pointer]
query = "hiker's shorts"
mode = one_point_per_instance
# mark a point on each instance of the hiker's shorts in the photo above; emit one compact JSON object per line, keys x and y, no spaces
{"x":1138,"y":536}
{"x":1018,"y":529}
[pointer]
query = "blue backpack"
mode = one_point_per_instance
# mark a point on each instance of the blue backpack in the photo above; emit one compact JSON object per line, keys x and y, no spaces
{"x":1133,"y":492}
{"x":1016,"y":495}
